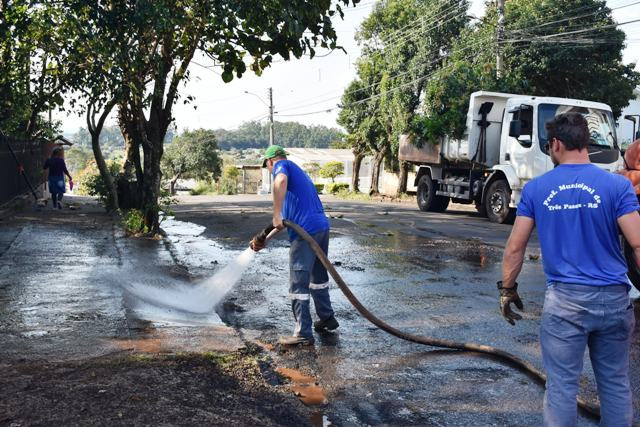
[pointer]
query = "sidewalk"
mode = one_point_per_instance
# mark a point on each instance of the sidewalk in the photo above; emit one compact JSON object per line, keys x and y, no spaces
{"x":73,"y":348}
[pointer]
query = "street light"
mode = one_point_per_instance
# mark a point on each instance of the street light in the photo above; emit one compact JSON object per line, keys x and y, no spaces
{"x":270,"y":106}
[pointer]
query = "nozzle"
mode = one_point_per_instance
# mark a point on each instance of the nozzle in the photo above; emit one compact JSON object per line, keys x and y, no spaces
{"x":258,"y":241}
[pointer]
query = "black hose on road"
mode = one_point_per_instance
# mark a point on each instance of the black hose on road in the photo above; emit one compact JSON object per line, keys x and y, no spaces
{"x":590,"y":408}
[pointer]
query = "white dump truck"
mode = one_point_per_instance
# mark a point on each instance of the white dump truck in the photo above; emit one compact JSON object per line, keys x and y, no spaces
{"x":503,"y":148}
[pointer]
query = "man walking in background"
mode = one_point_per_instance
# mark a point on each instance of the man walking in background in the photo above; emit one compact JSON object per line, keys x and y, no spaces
{"x":295,"y":199}
{"x":577,"y":209}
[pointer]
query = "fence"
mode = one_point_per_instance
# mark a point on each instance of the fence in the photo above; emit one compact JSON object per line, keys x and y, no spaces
{"x":31,"y":155}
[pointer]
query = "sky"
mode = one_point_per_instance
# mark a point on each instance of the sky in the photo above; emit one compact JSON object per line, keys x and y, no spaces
{"x":303,"y":86}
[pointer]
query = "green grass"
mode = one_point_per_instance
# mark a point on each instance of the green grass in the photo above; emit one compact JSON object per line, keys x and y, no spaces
{"x":350,"y":195}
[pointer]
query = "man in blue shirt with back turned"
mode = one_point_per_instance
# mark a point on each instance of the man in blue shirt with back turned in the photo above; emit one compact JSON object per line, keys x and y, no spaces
{"x":577,"y":209}
{"x":295,"y":199}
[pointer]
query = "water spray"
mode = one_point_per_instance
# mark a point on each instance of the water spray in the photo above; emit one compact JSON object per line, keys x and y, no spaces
{"x":198,"y":298}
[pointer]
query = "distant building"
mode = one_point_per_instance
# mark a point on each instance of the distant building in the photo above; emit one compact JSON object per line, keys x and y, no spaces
{"x":250,"y":179}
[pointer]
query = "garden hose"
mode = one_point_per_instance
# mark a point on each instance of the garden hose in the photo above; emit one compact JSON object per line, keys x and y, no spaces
{"x":589,"y":408}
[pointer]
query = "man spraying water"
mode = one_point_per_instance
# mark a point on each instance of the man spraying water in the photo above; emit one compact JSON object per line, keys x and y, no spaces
{"x":295,"y":198}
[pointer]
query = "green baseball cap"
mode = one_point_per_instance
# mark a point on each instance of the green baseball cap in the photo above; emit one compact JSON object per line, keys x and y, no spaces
{"x":271,"y":152}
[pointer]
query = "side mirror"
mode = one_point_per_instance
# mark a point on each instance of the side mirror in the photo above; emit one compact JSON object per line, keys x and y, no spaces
{"x":515,"y":131}
{"x":525,"y":141}
{"x":515,"y":128}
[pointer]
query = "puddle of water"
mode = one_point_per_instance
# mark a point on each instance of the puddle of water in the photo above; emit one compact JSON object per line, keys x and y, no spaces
{"x":178,"y":229}
{"x":305,"y":387}
{"x":188,"y":247}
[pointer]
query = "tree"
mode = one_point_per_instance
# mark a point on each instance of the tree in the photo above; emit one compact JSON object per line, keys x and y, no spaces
{"x":412,"y":38}
{"x":312,"y":169}
{"x":192,"y":154}
{"x":31,"y":67}
{"x":290,"y":134}
{"x":352,"y":115}
{"x":362,"y":114}
{"x":229,"y":32}
{"x":563,"y":48}
{"x":582,"y":55}
{"x":332,"y":170}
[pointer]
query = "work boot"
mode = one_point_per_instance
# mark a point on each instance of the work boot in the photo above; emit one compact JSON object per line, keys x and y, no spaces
{"x":328,"y":324}
{"x":296,"y":340}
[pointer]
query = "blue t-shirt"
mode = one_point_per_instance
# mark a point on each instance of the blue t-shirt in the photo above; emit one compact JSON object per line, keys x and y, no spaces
{"x":576,"y":208}
{"x":301,"y":204}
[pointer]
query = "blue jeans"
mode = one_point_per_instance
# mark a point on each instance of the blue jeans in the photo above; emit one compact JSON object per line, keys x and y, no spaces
{"x":308,"y":278}
{"x":574,"y":317}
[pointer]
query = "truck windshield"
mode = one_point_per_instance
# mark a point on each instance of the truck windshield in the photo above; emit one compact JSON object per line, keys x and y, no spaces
{"x":601,"y":124}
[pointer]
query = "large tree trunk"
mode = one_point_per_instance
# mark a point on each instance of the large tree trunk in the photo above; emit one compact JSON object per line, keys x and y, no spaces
{"x":151,"y":133}
{"x":151,"y":186}
{"x":94,"y":130}
{"x":402,"y":178}
{"x":375,"y":172}
{"x":355,"y":178}
{"x":132,"y":140}
{"x":172,"y":184}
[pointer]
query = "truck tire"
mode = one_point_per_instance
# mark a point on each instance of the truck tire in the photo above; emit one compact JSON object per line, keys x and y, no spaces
{"x":427,"y":199}
{"x":497,"y":203}
{"x":634,"y":271}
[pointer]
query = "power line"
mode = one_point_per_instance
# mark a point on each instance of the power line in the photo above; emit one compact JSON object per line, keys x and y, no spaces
{"x":383,"y":93}
{"x":528,"y":29}
{"x":305,"y":114}
{"x":432,"y":18}
{"x":604,"y":27}
{"x":476,"y":43}
{"x":436,"y":17}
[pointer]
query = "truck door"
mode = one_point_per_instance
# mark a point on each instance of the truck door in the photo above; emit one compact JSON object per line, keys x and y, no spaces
{"x":523,"y":152}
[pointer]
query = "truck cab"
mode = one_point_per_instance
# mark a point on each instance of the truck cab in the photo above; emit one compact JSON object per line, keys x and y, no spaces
{"x":503,"y":147}
{"x":523,"y":152}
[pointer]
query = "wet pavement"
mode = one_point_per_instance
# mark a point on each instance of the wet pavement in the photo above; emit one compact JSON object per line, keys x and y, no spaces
{"x":78,"y":346}
{"x":63,"y":290}
{"x":428,"y":274}
{"x":73,"y":287}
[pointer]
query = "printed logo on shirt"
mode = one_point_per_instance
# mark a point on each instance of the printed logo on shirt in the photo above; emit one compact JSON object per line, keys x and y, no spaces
{"x":548,"y":202}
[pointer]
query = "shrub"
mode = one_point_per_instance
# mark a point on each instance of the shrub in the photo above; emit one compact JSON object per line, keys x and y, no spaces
{"x":319,"y":188}
{"x":133,"y":221}
{"x":226,"y":186}
{"x":203,"y":187}
{"x":332,"y":170}
{"x":335,"y":187}
{"x":90,"y":181}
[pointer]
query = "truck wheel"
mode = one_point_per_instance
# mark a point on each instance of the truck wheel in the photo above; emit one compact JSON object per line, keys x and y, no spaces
{"x":427,"y":199}
{"x":497,"y":203}
{"x":634,"y":271}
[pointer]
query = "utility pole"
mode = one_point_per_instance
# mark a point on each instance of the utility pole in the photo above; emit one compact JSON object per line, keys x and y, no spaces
{"x":271,"y":116}
{"x":499,"y":38}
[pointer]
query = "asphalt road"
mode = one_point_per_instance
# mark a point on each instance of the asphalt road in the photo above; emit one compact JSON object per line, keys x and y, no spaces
{"x":429,"y":274}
